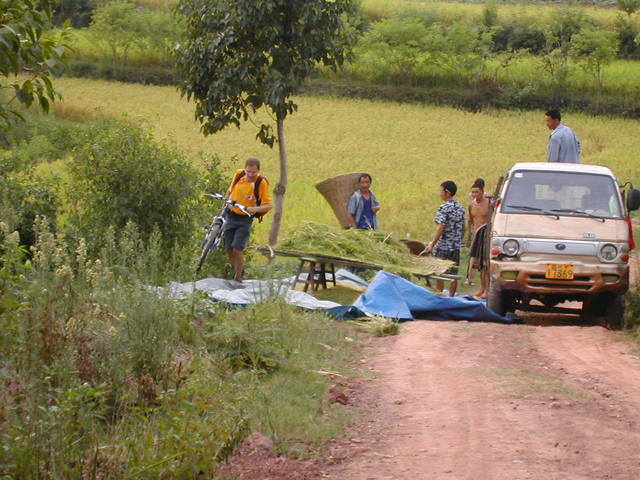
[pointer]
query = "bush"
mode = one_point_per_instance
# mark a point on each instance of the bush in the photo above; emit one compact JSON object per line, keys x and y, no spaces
{"x":628,"y":30}
{"x":77,"y":11}
{"x":40,"y":139}
{"x":514,"y":35}
{"x":633,"y":309}
{"x":28,"y":195}
{"x":121,"y":175}
{"x":121,"y":27}
{"x":104,"y":377}
{"x":95,"y":374}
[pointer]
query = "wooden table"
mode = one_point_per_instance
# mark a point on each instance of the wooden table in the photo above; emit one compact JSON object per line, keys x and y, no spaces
{"x":318,"y":266}
{"x":315,"y":268}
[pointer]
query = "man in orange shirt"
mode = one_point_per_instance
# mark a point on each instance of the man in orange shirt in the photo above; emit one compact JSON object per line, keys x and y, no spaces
{"x":250,"y":189}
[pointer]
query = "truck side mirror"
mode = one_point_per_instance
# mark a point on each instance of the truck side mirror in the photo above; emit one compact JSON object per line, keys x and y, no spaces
{"x":633,"y":199}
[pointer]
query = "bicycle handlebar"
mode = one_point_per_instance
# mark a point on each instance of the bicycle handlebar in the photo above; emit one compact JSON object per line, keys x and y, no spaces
{"x":231,"y":203}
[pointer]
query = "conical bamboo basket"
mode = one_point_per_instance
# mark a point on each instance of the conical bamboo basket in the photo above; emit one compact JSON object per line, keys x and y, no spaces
{"x":337,"y":191}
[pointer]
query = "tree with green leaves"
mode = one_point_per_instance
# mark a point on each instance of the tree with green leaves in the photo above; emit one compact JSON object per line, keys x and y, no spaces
{"x":118,"y":25}
{"x":28,"y":47}
{"x":594,"y":49}
{"x":78,"y":12}
{"x":628,"y":6}
{"x":554,"y":59}
{"x":240,"y":56}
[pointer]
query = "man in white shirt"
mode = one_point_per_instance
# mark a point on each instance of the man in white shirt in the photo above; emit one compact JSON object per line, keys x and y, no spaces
{"x":564,"y":146}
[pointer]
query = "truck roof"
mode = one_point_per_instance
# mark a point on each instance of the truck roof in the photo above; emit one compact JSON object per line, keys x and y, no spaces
{"x":563,"y":167}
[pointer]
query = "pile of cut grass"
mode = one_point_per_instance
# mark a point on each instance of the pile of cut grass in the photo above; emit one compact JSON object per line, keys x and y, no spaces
{"x":363,"y":246}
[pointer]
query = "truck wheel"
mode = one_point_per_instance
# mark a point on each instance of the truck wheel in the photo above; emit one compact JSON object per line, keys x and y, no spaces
{"x":591,"y":309}
{"x":499,"y":301}
{"x":614,"y":311}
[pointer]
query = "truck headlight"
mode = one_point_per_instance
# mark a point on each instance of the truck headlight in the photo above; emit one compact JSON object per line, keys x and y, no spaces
{"x":608,"y":252}
{"x":511,"y":247}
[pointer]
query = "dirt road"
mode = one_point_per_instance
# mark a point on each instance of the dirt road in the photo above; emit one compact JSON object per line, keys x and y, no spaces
{"x":547,"y":400}
{"x":451,"y":400}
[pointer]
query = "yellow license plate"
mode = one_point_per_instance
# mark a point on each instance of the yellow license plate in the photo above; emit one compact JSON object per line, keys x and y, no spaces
{"x":559,"y":271}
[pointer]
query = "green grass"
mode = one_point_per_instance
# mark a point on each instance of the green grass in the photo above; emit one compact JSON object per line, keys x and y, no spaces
{"x":408,"y":149}
{"x":620,"y":78}
{"x":378,"y":326}
{"x":87,"y":48}
{"x":379,"y":9}
{"x":389,"y":7}
{"x":523,"y":381}
{"x":338,"y":294}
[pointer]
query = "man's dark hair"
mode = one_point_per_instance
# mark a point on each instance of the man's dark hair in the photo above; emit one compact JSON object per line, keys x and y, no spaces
{"x":478,"y":183}
{"x":365,"y":175}
{"x":252,"y":162}
{"x":555,"y":114}
{"x":450,"y":187}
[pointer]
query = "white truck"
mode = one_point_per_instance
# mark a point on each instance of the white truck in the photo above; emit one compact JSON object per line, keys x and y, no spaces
{"x":561,"y":232}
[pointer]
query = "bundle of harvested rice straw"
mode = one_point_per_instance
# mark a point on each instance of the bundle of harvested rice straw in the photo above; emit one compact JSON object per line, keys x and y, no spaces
{"x":364,"y":246}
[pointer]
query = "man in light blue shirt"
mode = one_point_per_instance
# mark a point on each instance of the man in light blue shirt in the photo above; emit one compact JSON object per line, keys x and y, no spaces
{"x":564,"y":146}
{"x":363,"y":205}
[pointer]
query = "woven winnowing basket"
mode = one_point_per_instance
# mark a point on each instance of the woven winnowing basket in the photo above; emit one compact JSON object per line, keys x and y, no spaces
{"x":415,"y":247}
{"x":337,"y":191}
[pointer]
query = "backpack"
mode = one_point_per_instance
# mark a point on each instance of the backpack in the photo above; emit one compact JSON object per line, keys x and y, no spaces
{"x":256,"y":191}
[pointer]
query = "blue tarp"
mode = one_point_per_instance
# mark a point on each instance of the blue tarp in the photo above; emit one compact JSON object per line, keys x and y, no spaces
{"x":392,"y":296}
{"x":347,"y":312}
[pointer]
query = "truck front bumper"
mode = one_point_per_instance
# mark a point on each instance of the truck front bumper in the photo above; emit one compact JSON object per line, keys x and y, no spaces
{"x":588,"y":278}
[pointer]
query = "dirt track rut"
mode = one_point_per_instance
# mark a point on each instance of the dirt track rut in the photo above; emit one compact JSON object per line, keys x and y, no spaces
{"x":456,"y":400}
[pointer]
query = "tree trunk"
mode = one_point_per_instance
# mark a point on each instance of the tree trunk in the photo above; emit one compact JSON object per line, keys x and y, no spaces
{"x":281,"y":186}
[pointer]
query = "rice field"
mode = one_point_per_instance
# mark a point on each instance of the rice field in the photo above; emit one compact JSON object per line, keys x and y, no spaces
{"x":408,"y":149}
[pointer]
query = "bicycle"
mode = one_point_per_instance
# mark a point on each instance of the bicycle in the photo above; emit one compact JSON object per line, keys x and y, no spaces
{"x":214,"y":232}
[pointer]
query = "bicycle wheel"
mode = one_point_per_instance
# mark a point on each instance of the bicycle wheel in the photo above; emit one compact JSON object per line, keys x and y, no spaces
{"x":213,"y":235}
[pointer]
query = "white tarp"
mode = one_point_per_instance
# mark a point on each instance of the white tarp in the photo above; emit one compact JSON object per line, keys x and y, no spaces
{"x":252,"y":291}
{"x":255,"y":291}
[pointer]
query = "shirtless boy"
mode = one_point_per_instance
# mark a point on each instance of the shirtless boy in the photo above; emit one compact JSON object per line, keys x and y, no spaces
{"x":479,"y":211}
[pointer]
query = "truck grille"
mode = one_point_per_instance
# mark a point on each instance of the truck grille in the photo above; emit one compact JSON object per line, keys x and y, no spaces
{"x":580,"y":283}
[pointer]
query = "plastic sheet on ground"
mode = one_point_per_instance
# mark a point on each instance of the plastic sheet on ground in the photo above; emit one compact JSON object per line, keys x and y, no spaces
{"x":347,"y":278}
{"x":392,"y":296}
{"x":251,"y":292}
{"x":347,"y":312}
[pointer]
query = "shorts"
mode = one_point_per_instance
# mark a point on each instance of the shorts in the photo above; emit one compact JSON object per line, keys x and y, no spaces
{"x":237,"y":231}
{"x":453,"y":255}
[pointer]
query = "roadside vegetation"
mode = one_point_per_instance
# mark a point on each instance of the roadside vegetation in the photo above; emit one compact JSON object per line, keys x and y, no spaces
{"x":633,"y":296}
{"x":103,"y":373}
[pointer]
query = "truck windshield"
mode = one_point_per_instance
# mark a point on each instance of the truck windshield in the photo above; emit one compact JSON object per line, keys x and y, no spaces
{"x":562,"y":193}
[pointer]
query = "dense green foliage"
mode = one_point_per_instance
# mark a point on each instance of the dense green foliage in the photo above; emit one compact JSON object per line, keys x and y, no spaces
{"x":105,"y":378}
{"x":78,"y":12}
{"x":120,"y":175}
{"x":242,"y":55}
{"x":27,"y":46}
{"x":28,"y":191}
{"x":121,"y":27}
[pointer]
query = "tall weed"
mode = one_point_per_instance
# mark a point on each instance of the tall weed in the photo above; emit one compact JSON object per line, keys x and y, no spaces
{"x":106,"y":377}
